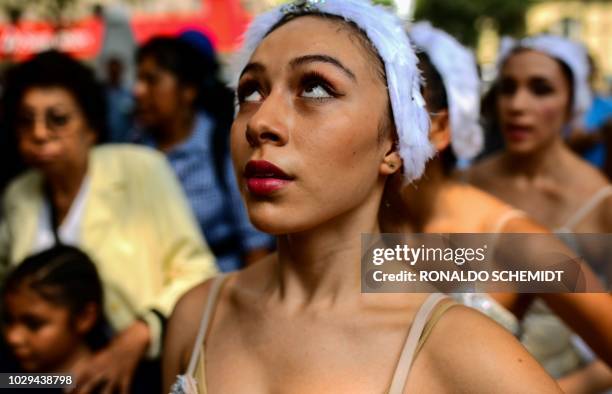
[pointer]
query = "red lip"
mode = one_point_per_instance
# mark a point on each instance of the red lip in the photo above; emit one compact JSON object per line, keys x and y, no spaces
{"x":517,"y":132}
{"x":264,"y":178}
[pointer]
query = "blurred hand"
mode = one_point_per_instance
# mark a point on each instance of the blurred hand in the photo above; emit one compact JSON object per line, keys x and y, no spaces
{"x":111,"y":369}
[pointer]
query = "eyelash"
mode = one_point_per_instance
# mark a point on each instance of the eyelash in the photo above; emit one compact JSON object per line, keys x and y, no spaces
{"x":309,"y":79}
{"x":314,"y":78}
{"x":246,"y":88}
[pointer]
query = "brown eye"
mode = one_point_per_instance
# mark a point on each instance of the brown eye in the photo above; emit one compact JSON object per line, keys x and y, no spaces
{"x":507,"y":87}
{"x":249,"y":91}
{"x":541,"y":87}
{"x":316,"y":87}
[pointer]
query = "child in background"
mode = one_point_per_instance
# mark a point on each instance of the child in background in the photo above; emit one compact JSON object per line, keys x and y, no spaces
{"x":52,"y":311}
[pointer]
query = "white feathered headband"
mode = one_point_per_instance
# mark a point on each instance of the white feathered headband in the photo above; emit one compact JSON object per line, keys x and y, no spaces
{"x":457,"y":67}
{"x":386,"y":33}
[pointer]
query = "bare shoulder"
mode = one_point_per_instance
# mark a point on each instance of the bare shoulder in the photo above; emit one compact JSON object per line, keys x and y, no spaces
{"x":182,"y":331}
{"x":191,"y":304}
{"x":469,"y":352}
{"x":496,"y":212}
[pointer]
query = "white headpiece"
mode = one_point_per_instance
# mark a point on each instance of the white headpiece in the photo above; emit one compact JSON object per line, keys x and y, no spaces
{"x":457,"y":67}
{"x":571,"y":53}
{"x":386,"y":33}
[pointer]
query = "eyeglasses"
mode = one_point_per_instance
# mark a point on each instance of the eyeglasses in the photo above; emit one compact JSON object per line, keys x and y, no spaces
{"x":54,"y":120}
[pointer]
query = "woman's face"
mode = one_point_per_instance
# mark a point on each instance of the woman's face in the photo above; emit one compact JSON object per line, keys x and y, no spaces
{"x":52,"y":132}
{"x":40,"y":334}
{"x":307,"y":142}
{"x":533,"y":101}
{"x":160,"y":97}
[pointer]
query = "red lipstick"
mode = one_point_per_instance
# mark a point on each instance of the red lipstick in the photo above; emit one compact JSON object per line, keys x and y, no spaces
{"x":517,"y":132}
{"x":263,"y":178}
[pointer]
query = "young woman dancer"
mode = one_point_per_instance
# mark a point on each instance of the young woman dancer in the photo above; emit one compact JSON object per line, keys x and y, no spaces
{"x":321,"y":114}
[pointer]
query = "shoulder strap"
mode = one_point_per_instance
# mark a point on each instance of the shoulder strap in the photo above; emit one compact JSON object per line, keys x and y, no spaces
{"x":505,"y":218}
{"x":597,"y":198}
{"x":404,"y":363}
{"x":431,"y":323}
{"x":206,"y":317}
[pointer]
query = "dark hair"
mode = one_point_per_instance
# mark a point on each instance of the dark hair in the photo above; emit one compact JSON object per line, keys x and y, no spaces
{"x":190,"y":66}
{"x":56,"y":69}
{"x":64,"y":276}
{"x":437,"y":100}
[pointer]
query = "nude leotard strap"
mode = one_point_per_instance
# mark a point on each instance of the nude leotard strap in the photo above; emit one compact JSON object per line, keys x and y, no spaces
{"x":505,"y":218}
{"x":424,"y":321}
{"x":580,"y":214}
{"x":206,"y":318}
{"x":426,"y":318}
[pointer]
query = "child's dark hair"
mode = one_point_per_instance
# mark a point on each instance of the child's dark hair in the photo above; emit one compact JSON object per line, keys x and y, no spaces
{"x":437,"y":100}
{"x":64,"y":276}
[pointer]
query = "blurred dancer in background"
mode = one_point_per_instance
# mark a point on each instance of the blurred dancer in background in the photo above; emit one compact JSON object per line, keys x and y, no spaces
{"x":441,"y":204}
{"x":330,"y":109}
{"x":541,"y":90}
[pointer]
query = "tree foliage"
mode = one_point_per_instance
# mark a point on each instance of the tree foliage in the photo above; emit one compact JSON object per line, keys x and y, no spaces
{"x":460,"y":17}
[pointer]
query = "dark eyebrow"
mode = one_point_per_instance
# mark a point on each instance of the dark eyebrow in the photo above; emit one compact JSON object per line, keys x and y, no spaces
{"x":538,"y":78}
{"x":254,"y":67}
{"x":298,"y":61}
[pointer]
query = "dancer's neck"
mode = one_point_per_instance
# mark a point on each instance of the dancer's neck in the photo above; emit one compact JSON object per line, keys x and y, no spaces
{"x":320,"y":267}
{"x":547,"y":162}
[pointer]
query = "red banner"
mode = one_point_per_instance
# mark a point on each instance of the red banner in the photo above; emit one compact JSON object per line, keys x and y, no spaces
{"x":82,"y":39}
{"x":223,"y":21}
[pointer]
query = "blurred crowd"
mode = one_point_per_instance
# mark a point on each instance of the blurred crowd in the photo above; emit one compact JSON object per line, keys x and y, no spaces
{"x":117,"y":200}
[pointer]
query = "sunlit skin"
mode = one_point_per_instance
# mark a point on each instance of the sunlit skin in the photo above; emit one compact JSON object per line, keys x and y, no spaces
{"x":299,"y":123}
{"x":44,"y":337}
{"x":297,"y":321}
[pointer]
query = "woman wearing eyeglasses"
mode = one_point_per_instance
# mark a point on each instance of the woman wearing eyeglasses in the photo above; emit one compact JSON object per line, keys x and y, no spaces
{"x":120,"y":203}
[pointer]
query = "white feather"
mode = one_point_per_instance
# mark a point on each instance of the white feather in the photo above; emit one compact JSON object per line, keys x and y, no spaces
{"x":457,"y":67}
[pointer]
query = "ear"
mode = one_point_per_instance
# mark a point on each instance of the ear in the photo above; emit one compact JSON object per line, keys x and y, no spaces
{"x":440,"y":132}
{"x":86,"y":320}
{"x":392,"y":162}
